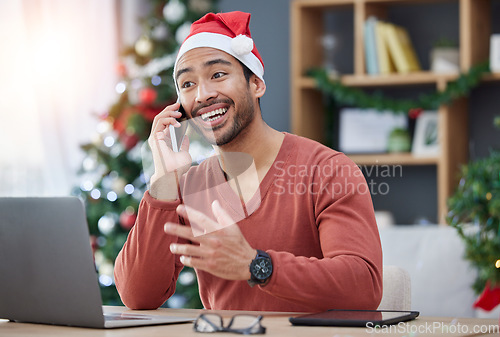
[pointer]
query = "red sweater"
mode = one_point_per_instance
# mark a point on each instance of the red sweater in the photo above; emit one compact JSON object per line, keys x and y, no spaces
{"x":315,"y":219}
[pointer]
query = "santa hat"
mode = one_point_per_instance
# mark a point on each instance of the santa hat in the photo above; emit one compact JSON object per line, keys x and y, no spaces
{"x":228,"y":32}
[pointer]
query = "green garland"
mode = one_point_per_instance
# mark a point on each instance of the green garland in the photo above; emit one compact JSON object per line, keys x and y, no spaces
{"x":356,"y":97}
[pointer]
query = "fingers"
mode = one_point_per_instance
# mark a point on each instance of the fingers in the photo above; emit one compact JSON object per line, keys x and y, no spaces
{"x":165,"y":118}
{"x":170,"y":111}
{"x":181,"y":231}
{"x":196,"y":256}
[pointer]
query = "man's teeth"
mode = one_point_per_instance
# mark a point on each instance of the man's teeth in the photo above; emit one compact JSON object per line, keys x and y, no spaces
{"x":213,"y":115}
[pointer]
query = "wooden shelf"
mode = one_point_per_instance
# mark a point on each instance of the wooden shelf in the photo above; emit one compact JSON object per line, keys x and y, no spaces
{"x":416,"y":78}
{"x":392,"y":159}
{"x":492,"y":77}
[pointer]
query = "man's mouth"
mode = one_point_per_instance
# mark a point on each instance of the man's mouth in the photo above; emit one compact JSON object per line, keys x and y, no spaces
{"x":213,"y":115}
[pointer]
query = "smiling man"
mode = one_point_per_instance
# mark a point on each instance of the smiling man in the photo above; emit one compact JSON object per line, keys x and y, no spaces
{"x":304,"y":237}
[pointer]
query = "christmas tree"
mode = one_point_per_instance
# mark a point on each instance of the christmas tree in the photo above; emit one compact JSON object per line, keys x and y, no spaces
{"x":475,"y":213}
{"x":113,"y":180}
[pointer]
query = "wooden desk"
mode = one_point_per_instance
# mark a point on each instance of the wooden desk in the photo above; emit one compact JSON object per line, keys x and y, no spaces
{"x":276,"y":323}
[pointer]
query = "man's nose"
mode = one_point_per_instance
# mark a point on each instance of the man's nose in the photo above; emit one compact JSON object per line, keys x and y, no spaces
{"x":206,"y":91}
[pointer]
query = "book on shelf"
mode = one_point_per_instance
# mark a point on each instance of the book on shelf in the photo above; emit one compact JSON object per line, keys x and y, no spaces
{"x":401,"y":49}
{"x":385,"y":63}
{"x":388,"y":48}
{"x":370,"y":46}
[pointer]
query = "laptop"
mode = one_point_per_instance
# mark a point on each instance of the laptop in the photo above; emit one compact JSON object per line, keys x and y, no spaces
{"x":47,"y":272}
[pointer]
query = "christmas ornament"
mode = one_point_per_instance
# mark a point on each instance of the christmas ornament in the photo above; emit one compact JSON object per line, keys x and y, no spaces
{"x":93,"y":243}
{"x":129,"y":140}
{"x":147,"y":95}
{"x":121,"y":69}
{"x":200,"y":6}
{"x":174,"y":11}
{"x":414,"y":113}
{"x":108,"y":180}
{"x":489,"y":298}
{"x":182,"y":32}
{"x":144,"y":46}
{"x":127,"y":218}
{"x":118,"y":185}
{"x":106,"y":224}
{"x":160,"y":32}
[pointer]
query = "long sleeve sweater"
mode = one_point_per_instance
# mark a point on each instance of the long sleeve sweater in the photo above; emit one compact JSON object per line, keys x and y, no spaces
{"x":314,"y":217}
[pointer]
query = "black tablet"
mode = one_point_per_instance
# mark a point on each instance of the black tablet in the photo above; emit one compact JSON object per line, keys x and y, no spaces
{"x":355,"y":318}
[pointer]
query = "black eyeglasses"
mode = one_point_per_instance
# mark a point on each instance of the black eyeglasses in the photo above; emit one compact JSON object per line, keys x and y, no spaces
{"x":242,"y":324}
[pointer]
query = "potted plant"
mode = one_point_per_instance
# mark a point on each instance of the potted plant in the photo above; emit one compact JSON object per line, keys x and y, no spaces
{"x":445,"y":56}
{"x":399,"y":140}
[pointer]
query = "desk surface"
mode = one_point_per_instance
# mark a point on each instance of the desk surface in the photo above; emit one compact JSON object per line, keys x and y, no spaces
{"x":276,"y":323}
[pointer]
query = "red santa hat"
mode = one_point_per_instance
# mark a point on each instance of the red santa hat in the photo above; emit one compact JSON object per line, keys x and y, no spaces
{"x":228,"y":32}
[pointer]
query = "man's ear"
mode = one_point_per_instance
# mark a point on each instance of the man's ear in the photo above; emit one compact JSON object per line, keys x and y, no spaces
{"x":258,"y":86}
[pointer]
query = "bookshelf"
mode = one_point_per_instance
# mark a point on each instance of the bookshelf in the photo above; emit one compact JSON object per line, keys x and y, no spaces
{"x":307,"y":110}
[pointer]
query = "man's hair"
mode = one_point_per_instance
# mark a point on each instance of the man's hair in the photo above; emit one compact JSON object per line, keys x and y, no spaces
{"x":248,"y":73}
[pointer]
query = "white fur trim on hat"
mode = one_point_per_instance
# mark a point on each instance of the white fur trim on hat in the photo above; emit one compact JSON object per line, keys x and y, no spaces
{"x":224,"y":43}
{"x":242,"y":44}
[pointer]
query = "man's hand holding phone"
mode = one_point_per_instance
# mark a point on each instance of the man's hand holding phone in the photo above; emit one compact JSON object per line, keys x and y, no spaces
{"x":169,"y":164}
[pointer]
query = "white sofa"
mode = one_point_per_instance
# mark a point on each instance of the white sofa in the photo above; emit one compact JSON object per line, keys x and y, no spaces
{"x":433,"y":256}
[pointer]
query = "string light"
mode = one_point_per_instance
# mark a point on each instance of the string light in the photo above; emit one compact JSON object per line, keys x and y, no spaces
{"x":156,"y":80}
{"x":95,"y":194}
{"x":497,"y":264}
{"x":112,"y":196}
{"x":120,"y":88}
{"x":129,"y":188}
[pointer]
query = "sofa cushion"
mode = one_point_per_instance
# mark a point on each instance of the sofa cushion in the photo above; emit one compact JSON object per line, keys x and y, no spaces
{"x":433,"y":256}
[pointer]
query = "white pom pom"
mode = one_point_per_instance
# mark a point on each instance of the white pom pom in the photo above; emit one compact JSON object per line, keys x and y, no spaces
{"x":241,"y":45}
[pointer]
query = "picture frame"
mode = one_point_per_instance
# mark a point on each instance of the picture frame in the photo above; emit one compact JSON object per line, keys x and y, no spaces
{"x":426,"y":136}
{"x":495,"y":53}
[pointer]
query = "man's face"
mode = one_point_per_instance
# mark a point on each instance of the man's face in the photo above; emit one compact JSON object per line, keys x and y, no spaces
{"x":214,"y":91}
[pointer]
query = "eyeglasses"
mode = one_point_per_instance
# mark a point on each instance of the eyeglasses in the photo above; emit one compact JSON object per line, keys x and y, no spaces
{"x":242,"y":324}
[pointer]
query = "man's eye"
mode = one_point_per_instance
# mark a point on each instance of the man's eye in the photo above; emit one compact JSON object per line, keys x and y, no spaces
{"x":187,"y":84}
{"x":219,"y":74}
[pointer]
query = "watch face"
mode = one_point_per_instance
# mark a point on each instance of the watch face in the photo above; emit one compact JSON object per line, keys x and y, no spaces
{"x":262,"y":268}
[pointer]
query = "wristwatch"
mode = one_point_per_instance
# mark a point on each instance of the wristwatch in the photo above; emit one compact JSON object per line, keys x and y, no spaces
{"x":261,"y":268}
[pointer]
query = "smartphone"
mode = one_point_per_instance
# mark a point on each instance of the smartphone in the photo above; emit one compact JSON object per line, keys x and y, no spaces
{"x":177,"y":134}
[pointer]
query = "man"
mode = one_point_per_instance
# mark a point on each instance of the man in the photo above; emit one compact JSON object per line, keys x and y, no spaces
{"x":310,"y":241}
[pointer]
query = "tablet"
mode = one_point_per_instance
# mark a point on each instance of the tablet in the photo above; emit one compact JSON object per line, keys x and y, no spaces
{"x":355,"y":318}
